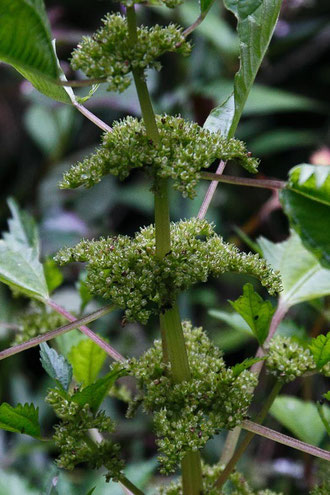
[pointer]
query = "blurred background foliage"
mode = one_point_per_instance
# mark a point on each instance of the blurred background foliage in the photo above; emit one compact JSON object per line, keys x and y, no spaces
{"x":285,"y":122}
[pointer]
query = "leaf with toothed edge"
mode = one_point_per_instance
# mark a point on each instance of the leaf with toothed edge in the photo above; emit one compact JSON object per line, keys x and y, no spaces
{"x":20,"y":419}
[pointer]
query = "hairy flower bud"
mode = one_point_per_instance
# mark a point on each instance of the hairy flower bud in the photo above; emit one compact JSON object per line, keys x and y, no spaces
{"x":128,"y":272}
{"x":288,"y":360}
{"x":110,"y":54}
{"x":184,"y":149}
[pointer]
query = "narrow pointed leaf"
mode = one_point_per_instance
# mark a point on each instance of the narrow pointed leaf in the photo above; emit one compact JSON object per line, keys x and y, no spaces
{"x":25,"y":43}
{"x":19,"y":255}
{"x":244,"y":365}
{"x":55,"y":365}
{"x":303,"y":278}
{"x":320,"y":348}
{"x":20,"y":419}
{"x":94,"y":394}
{"x":256,"y":20}
{"x":87,"y":359}
{"x":306,"y":201}
{"x":205,"y":6}
{"x":256,"y":312}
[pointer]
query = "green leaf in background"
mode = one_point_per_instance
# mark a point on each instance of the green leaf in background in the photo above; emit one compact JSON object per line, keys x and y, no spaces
{"x":91,"y":491}
{"x":95,"y":393}
{"x":205,"y":6}
{"x":84,"y":292}
{"x":87,"y":359}
{"x":320,"y":348}
{"x":300,"y":417}
{"x":19,"y":255}
{"x":327,"y":395}
{"x":256,"y":20}
{"x":53,"y":275}
{"x":256,"y":312}
{"x":25,"y":43}
{"x":306,"y":201}
{"x":14,"y":484}
{"x":55,"y":365}
{"x":221,"y":117}
{"x":20,"y":419}
{"x":303,"y":278}
{"x":244,"y":365}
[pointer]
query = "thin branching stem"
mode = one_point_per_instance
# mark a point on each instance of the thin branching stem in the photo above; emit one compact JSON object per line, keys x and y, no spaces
{"x":210,"y":191}
{"x":242,"y":181}
{"x":265,"y":432}
{"x":87,"y":331}
{"x":76,"y":323}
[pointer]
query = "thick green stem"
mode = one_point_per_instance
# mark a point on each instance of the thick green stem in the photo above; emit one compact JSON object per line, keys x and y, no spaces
{"x":174,"y":348}
{"x":248,"y":437}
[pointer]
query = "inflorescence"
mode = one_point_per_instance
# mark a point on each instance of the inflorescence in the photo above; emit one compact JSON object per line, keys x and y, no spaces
{"x":184,"y":149}
{"x":288,"y":360}
{"x":37,"y":321}
{"x":111,"y":55}
{"x":127,"y":271}
{"x":72,"y":436}
{"x":187,"y":414}
{"x":210,"y":474}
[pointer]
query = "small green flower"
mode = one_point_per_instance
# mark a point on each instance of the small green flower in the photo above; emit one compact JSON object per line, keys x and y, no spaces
{"x":188,"y":414}
{"x":109,"y":54}
{"x":72,"y":436}
{"x":185,"y":148}
{"x":127,"y":271}
{"x":288,"y":360}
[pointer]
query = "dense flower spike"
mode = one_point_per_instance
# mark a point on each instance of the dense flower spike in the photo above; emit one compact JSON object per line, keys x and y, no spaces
{"x":37,"y":321}
{"x":287,"y":359}
{"x":185,"y":148}
{"x":210,"y":476}
{"x":127,"y":271}
{"x":187,"y":414}
{"x":71,"y":436}
{"x":110,"y":54}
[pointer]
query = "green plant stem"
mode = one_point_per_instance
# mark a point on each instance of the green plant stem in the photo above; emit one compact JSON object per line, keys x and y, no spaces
{"x":130,"y":486}
{"x":248,"y":437}
{"x":174,"y":348}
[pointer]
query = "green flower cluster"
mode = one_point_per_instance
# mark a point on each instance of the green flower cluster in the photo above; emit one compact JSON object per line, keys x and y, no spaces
{"x":210,"y":475}
{"x":110,"y":54}
{"x":37,"y":321}
{"x":72,"y":436}
{"x":323,"y":489}
{"x":288,"y":360}
{"x":188,"y":414}
{"x":127,"y":271}
{"x":184,"y":149}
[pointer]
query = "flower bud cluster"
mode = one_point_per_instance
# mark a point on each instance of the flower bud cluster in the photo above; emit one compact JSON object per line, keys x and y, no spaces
{"x":110,"y":54}
{"x":37,"y":321}
{"x":72,"y":440}
{"x":188,"y":414}
{"x":184,"y":149}
{"x":127,"y":271}
{"x":210,"y":474}
{"x":288,"y":360}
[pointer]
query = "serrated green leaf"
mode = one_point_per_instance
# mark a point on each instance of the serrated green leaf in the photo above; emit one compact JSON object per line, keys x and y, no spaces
{"x":53,"y":275}
{"x":55,"y":365}
{"x":256,"y":20}
{"x":256,"y":312}
{"x":87,"y":359}
{"x":303,"y":278}
{"x":19,"y":255}
{"x":25,"y":43}
{"x":320,"y":348}
{"x":244,"y":365}
{"x":300,"y":417}
{"x":306,"y":201}
{"x":94,"y":394}
{"x":20,"y":419}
